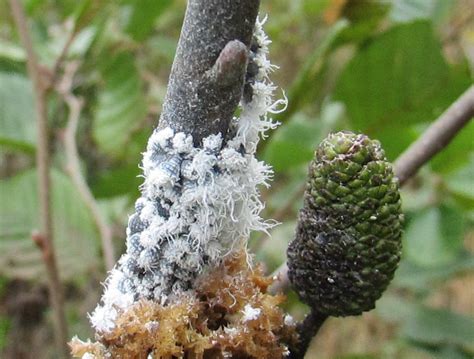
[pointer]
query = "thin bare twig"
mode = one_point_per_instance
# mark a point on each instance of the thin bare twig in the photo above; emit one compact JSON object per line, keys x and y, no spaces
{"x":62,"y":56}
{"x":42,"y":158}
{"x":436,"y":137}
{"x":73,"y":167}
{"x":63,"y":85}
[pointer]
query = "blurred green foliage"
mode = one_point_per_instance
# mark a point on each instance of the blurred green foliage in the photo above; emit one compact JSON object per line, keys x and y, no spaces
{"x":386,"y":68}
{"x":4,"y":326}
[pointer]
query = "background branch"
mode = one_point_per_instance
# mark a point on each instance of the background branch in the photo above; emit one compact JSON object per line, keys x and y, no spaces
{"x":45,"y":238}
{"x":62,"y":56}
{"x":436,"y":137}
{"x":73,"y":167}
{"x":208,"y":72}
{"x":433,"y":140}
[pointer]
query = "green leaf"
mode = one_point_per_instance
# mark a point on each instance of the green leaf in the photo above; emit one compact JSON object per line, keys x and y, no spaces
{"x":449,"y":352}
{"x":5,"y":324}
{"x":119,"y":181}
{"x":454,"y":156}
{"x":314,"y":8}
{"x":435,"y":327}
{"x":434,"y":236}
{"x":85,"y":11}
{"x":307,"y":80}
{"x":364,"y":16}
{"x":32,"y":5}
{"x":75,"y":236}
{"x":121,"y":106}
{"x":423,"y":279}
{"x":11,"y":51}
{"x":272,"y":248}
{"x":123,"y":178}
{"x":17,"y":115}
{"x":143,"y":16}
{"x":398,"y":80}
{"x":438,"y":326}
{"x":415,"y":199}
{"x":163,"y":47}
{"x":460,"y":184}
{"x":393,"y":309}
{"x":289,"y":194}
{"x":293,"y":144}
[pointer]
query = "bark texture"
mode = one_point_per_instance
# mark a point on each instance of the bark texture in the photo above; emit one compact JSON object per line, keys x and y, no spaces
{"x":208,"y":72}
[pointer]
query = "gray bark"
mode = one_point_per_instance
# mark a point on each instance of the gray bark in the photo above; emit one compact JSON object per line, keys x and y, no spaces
{"x":208,"y":72}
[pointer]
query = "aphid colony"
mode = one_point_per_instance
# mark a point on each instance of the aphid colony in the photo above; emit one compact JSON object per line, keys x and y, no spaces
{"x":198,"y":203}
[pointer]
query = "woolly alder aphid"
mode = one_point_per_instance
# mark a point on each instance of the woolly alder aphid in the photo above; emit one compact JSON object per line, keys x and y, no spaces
{"x":197,"y":204}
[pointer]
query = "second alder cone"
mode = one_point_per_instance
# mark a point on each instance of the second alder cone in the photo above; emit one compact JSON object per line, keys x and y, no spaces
{"x":348,"y":239}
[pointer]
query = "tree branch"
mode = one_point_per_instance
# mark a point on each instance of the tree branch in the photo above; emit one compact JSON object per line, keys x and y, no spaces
{"x":40,"y":87}
{"x":62,"y":56}
{"x":436,"y":137}
{"x":73,"y":167}
{"x":433,"y":140}
{"x":208,"y":72}
{"x":307,"y":329}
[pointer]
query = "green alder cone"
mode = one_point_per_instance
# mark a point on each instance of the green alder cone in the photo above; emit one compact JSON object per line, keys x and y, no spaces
{"x":348,"y":239}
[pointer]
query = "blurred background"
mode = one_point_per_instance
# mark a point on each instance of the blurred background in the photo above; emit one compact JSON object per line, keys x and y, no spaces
{"x":384,"y":68}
